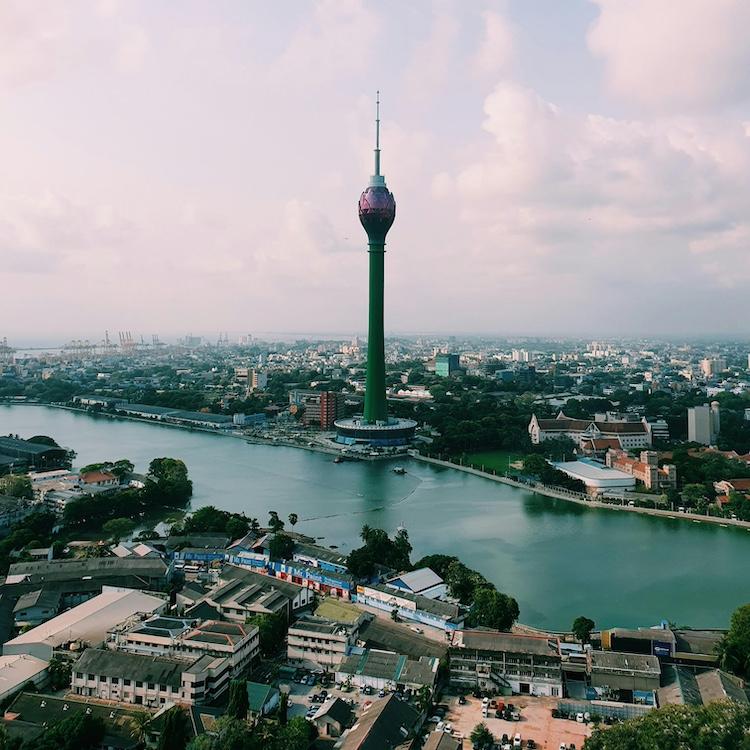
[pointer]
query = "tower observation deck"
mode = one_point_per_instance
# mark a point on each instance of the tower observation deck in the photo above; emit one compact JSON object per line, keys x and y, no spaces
{"x":377,"y":212}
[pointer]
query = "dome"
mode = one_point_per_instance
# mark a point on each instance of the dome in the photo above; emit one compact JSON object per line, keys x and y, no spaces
{"x":377,"y":210}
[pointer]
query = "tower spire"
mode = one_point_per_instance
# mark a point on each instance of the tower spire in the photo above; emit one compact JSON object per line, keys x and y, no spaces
{"x":377,"y":178}
{"x":377,"y":133}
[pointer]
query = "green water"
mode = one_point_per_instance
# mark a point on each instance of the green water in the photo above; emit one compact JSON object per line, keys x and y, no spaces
{"x":560,"y":560}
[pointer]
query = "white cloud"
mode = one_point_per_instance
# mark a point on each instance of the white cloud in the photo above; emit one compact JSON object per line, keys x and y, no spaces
{"x":497,"y":46}
{"x":674,"y":54}
{"x":132,"y":49}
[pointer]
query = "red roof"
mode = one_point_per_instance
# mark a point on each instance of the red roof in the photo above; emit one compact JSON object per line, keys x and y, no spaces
{"x":94,"y":477}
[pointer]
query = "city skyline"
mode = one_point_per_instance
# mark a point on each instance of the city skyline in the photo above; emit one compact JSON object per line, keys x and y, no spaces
{"x":170,"y":171}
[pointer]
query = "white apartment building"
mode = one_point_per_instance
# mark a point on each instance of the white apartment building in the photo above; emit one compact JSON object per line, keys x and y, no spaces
{"x":149,"y":680}
{"x":320,"y":640}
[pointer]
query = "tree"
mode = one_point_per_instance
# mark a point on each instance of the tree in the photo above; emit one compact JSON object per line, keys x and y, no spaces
{"x":140,"y":724}
{"x":582,"y":627}
{"x":174,"y":733}
{"x":734,"y":649}
{"x":534,"y":464}
{"x":237,"y":526}
{"x":81,"y":731}
{"x":281,"y":547}
{"x":117,"y":528}
{"x":275,"y":524}
{"x":16,"y":485}
{"x":492,"y":609}
{"x":716,"y":726}
{"x":283,"y":708}
{"x":254,"y":526}
{"x":43,"y":440}
{"x":481,"y":737}
{"x":272,"y":627}
{"x":293,"y":518}
{"x":59,"y":671}
{"x":694,"y":496}
{"x":238,"y":702}
{"x":424,"y":698}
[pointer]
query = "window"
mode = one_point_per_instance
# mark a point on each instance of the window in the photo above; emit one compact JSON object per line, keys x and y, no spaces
{"x":126,"y":681}
{"x":79,"y":675}
{"x":115,"y":680}
{"x":151,"y":686}
{"x":138,"y":683}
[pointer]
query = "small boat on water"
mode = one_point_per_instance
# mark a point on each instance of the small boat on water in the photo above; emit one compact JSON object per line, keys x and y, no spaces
{"x":399,"y":470}
{"x":338,"y":460}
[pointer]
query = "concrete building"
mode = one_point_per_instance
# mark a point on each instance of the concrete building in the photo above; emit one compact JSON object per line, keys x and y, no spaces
{"x":333,"y":718}
{"x":632,"y":678}
{"x":387,"y":724}
{"x":597,"y":477}
{"x":185,"y":638}
{"x":704,"y":423}
{"x":447,"y":365}
{"x":17,"y":670}
{"x":386,"y":670}
{"x":87,"y":623}
{"x":258,"y":380}
{"x":646,"y":470}
{"x":419,"y":609}
{"x":424,"y":582}
{"x":712,"y":366}
{"x":36,"y":607}
{"x":321,"y":408}
{"x":149,"y":680}
{"x":322,"y":641}
{"x":630,"y":435}
{"x":506,"y":663}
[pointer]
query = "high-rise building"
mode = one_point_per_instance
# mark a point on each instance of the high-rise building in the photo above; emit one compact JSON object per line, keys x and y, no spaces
{"x":377,"y":211}
{"x":704,"y":423}
{"x":447,"y":364}
{"x":259,"y":381}
{"x":712,"y":366}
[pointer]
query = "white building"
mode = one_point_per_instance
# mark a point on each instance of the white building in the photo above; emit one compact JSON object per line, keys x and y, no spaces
{"x":19,"y":669}
{"x":149,"y":680}
{"x":424,"y":582}
{"x":597,"y":477}
{"x":704,"y":423}
{"x":87,"y":623}
{"x":631,"y":435}
{"x":319,"y":640}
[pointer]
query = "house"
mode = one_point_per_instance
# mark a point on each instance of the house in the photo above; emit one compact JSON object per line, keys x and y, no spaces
{"x":386,"y":725}
{"x":506,"y":663}
{"x":98,"y":480}
{"x":386,"y":670}
{"x":262,"y":699}
{"x":149,"y":680}
{"x":36,"y":607}
{"x":726,"y":486}
{"x":333,"y":718}
{"x":423,"y":582}
{"x":630,"y":435}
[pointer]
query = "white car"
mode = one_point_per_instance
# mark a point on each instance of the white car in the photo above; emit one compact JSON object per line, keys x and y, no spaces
{"x":517,"y":740}
{"x":579,"y":717}
{"x":415,"y":629}
{"x":485,"y":701}
{"x":563,"y":746}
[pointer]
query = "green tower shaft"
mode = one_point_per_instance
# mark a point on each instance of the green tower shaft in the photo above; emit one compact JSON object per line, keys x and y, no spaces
{"x":376,"y":409}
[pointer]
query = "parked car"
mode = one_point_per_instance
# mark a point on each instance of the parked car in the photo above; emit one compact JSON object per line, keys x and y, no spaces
{"x":381,"y":693}
{"x":530,"y":744}
{"x":563,"y":746}
{"x":517,"y":741}
{"x":415,"y":629}
{"x":579,"y":717}
{"x":493,"y":704}
{"x":461,"y":700}
{"x":515,"y":716}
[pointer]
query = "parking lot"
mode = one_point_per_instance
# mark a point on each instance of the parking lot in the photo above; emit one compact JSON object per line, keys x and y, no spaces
{"x":536,"y":722}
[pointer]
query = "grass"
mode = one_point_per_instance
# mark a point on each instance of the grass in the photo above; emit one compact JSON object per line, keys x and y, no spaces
{"x":497,"y":460}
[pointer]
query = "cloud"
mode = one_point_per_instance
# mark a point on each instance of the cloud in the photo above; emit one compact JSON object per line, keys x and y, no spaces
{"x":497,"y":46}
{"x":669,"y":55}
{"x":132,"y":50}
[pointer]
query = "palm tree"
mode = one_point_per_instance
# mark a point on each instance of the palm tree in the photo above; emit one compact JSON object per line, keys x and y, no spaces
{"x":254,"y":525}
{"x":365,"y":533}
{"x":293,"y":518}
{"x":139,"y":726}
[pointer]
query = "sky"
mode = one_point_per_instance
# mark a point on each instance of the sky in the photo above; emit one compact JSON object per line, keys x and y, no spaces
{"x":558,"y":167}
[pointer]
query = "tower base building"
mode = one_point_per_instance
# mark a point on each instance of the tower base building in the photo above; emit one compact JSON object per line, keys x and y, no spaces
{"x":394,"y":432}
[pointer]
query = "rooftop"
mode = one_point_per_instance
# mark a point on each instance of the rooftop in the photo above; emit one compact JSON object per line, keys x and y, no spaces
{"x":160,"y":670}
{"x":335,"y":609}
{"x":418,"y":580}
{"x":491,"y":640}
{"x":390,"y":666}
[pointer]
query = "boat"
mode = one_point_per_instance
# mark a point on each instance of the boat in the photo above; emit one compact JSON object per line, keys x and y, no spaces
{"x":338,"y":460}
{"x":399,"y":470}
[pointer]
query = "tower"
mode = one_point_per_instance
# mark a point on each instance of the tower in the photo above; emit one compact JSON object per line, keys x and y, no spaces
{"x":377,"y":211}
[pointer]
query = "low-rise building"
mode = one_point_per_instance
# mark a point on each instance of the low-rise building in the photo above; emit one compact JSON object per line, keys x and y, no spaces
{"x":632,"y":678}
{"x":36,"y":607}
{"x":630,"y":435}
{"x":386,"y":670}
{"x":333,"y":718}
{"x":17,"y":670}
{"x":262,"y":699}
{"x":187,"y":639}
{"x":645,"y":470}
{"x":149,"y":680}
{"x":320,"y":640}
{"x":699,"y":687}
{"x":412,"y":607}
{"x":88,"y":623}
{"x":423,"y":582}
{"x":505,"y":662}
{"x":597,"y":477}
{"x":387,"y":724}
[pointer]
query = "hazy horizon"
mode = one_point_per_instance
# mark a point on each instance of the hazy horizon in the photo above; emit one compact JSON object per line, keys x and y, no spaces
{"x":560,"y":169}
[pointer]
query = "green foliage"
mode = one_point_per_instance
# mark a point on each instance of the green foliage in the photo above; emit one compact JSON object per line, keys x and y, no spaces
{"x":44,"y":440}
{"x":481,"y":737}
{"x":734,"y":649}
{"x":492,"y":609}
{"x":462,"y":582}
{"x":283,"y":708}
{"x":238,"y":702}
{"x":79,"y":732}
{"x":175,"y":730}
{"x":536,"y":466}
{"x":281,"y":547}
{"x":275,"y":524}
{"x":16,"y":485}
{"x":232,"y":734}
{"x":168,"y":480}
{"x":582,"y":627}
{"x":293,"y":518}
{"x":59,"y":672}
{"x":272,"y":631}
{"x":120,"y":468}
{"x":379,"y":549}
{"x":695,"y":496}
{"x":34,"y":528}
{"x":117,"y":528}
{"x":716,"y":726}
{"x":209,"y":518}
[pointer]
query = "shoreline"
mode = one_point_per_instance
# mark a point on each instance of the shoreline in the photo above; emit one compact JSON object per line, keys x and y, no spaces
{"x":413,"y":453}
{"x":574,"y":497}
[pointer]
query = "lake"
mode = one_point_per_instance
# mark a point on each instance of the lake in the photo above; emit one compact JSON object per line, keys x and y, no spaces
{"x":558,"y":559}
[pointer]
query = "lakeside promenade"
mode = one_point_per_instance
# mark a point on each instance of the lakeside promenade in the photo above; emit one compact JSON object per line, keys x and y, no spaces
{"x":581,"y":499}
